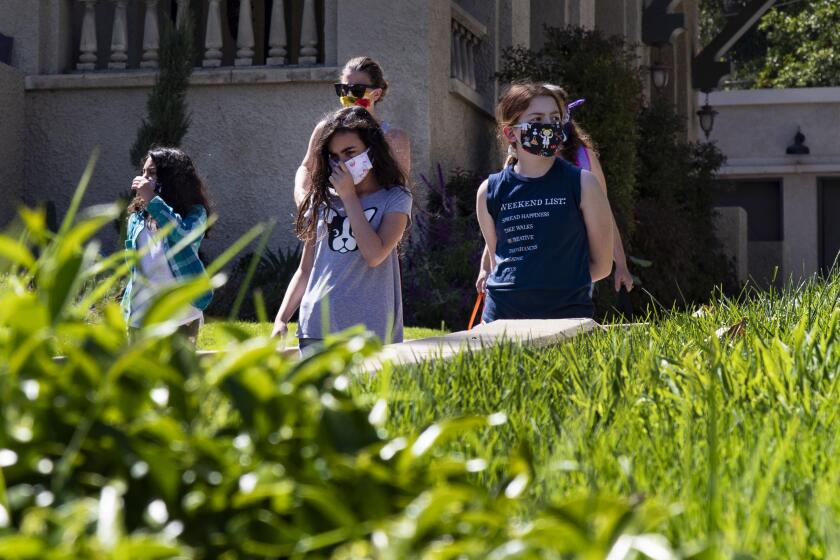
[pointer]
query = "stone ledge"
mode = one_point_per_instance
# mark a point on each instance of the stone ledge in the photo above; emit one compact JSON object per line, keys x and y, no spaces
{"x":255,"y":75}
{"x":471,"y":96}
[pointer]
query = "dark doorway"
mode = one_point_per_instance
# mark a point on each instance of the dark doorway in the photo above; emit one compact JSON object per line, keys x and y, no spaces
{"x":829,"y":216}
{"x":762,"y":200}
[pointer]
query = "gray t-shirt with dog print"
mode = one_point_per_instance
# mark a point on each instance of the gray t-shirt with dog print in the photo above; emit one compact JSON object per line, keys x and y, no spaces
{"x":343,"y":286}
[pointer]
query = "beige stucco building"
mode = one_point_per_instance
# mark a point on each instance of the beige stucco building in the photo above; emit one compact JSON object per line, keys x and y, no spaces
{"x":790,"y":201}
{"x":80,"y":72}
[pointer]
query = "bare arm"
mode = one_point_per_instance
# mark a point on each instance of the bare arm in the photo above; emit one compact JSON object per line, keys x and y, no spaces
{"x":375,"y":246}
{"x":295,"y":291}
{"x":302,"y":176}
{"x":484,"y":270}
{"x":487,"y":225}
{"x":622,"y":273}
{"x":597,"y":217}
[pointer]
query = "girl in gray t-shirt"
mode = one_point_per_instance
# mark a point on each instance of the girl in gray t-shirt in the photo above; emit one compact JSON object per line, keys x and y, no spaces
{"x":351,"y":221}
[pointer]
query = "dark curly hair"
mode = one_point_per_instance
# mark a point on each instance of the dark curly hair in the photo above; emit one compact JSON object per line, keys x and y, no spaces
{"x":386,"y":170}
{"x":180,"y":186}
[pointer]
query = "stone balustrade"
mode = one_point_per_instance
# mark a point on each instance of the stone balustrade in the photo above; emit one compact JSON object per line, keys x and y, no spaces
{"x":232,"y":33}
{"x":467,"y":36}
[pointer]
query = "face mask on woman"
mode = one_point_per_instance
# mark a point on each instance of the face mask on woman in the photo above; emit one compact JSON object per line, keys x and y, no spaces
{"x":542,"y":139}
{"x":359,"y":166}
{"x":353,"y":94}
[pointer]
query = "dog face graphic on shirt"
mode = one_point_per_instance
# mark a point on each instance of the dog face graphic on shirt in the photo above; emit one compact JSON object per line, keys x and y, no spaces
{"x":341,"y":239}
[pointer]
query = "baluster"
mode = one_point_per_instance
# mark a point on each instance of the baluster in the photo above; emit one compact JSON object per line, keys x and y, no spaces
{"x":465,"y":55}
{"x":471,"y":41}
{"x":245,"y":35}
{"x":308,"y":35}
{"x":213,"y":36}
{"x":119,"y":37}
{"x":183,"y":13}
{"x":456,"y":52}
{"x":277,"y":35}
{"x":151,"y":36}
{"x":87,"y":42}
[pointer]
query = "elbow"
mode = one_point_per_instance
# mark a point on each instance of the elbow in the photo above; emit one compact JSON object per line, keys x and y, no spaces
{"x":374,"y":260}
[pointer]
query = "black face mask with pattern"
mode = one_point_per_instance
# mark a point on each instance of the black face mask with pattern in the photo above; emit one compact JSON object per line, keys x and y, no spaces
{"x":542,"y":139}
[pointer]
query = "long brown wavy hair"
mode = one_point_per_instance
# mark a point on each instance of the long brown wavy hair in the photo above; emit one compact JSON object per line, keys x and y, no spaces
{"x":179,"y":184}
{"x":576,"y":136}
{"x":386,"y":170}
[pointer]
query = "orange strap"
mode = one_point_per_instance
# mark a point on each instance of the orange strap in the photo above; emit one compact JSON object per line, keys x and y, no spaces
{"x":478,"y":302}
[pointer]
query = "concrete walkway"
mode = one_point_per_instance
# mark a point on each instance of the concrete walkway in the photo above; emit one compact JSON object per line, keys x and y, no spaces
{"x":533,"y":332}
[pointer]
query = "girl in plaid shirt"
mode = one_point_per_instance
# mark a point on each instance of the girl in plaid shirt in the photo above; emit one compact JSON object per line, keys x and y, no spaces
{"x":169,"y":196}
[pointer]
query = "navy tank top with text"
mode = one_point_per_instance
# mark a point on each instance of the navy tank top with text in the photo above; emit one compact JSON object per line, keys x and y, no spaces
{"x":542,"y":252}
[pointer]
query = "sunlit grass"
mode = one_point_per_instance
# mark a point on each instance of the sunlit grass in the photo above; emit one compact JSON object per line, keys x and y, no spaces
{"x":738,"y":432}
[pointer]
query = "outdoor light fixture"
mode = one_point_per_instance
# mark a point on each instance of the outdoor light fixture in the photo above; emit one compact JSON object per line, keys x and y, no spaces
{"x":707,"y":115}
{"x":798,"y":147}
{"x":660,"y":73}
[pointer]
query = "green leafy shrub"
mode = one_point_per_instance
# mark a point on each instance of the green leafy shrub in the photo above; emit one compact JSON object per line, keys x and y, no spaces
{"x":674,"y":213}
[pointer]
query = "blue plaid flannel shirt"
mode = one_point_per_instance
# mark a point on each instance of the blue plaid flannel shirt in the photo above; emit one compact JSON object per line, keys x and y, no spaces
{"x":185,"y":263}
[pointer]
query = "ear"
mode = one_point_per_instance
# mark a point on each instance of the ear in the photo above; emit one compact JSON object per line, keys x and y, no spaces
{"x":507,"y":132}
{"x":375,"y":95}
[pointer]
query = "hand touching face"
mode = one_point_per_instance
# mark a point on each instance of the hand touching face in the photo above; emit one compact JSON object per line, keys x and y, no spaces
{"x":143,"y":185}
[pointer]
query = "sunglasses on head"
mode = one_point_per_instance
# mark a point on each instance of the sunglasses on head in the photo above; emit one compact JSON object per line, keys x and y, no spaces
{"x":356,"y":90}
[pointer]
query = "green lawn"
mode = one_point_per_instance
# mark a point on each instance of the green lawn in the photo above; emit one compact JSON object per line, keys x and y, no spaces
{"x":213,"y":336}
{"x":736,"y":437}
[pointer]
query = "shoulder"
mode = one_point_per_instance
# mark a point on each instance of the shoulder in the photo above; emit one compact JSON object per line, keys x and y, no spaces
{"x":198,"y":211}
{"x":398,"y":194}
{"x":588,"y":181}
{"x":482,"y":188}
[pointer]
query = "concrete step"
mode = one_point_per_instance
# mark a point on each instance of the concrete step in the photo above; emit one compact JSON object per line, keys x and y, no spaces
{"x":530,"y":332}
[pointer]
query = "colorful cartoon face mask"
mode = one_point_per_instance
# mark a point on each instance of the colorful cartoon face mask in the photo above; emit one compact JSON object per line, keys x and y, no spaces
{"x":358,"y":166}
{"x":353,"y":94}
{"x":542,"y":139}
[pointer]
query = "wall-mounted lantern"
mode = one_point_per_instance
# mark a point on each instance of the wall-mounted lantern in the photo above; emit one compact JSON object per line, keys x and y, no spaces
{"x":707,"y":115}
{"x":798,"y":147}
{"x":660,"y":73}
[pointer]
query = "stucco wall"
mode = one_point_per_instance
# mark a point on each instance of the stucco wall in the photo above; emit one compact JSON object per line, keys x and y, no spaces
{"x":42,"y":44}
{"x":462,"y":132}
{"x":246,"y":139}
{"x":11,"y":141}
{"x":760,"y":124}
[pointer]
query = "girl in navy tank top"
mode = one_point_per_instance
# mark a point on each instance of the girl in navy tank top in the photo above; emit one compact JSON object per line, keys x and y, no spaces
{"x":547,"y":223}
